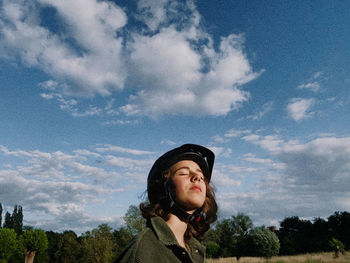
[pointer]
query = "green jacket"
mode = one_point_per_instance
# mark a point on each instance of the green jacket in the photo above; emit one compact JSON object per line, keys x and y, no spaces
{"x":157,"y":244}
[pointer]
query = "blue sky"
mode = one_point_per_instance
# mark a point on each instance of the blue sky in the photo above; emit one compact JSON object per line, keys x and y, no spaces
{"x":92,"y":92}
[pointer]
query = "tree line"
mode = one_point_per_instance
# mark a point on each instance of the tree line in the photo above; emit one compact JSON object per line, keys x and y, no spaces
{"x":235,"y":236}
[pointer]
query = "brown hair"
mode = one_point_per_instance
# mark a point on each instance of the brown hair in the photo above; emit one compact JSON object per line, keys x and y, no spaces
{"x":161,"y":207}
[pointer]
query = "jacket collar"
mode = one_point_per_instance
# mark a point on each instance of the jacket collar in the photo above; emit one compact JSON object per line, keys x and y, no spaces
{"x":167,"y":237}
{"x":163,"y":232}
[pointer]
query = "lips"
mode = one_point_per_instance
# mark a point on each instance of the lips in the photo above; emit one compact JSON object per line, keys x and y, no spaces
{"x":196,"y":188}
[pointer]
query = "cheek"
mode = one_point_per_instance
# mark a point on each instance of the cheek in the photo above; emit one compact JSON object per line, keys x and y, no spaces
{"x":178,"y":186}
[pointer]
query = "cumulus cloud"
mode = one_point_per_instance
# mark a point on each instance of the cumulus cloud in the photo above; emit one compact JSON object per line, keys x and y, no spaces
{"x":169,"y":73}
{"x":115,"y":148}
{"x":313,"y":84}
{"x":221,"y":151}
{"x":299,"y":109}
{"x":57,"y":188}
{"x":236,"y":133}
{"x":223,"y":180}
{"x":306,"y":179}
{"x":170,"y":64}
{"x":271,"y":143}
{"x":95,"y":67}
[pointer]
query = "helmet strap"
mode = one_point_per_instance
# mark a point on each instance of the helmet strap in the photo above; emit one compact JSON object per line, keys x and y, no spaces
{"x":180,"y":212}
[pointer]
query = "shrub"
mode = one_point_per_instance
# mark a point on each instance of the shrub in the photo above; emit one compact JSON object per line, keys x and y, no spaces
{"x":212,"y":249}
{"x":337,"y":247}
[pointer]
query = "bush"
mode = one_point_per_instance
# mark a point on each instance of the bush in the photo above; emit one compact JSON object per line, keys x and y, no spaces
{"x":212,"y":249}
{"x":336,"y":246}
{"x":8,"y":243}
{"x":264,"y":242}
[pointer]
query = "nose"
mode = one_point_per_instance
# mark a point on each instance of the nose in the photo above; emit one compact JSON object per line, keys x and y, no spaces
{"x":197,"y":177}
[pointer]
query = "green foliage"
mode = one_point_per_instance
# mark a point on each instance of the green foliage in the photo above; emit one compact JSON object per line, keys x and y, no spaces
{"x":34,"y":240}
{"x":8,"y":243}
{"x":227,"y":240}
{"x":121,"y":237}
{"x":241,"y":225}
{"x":337,"y":247}
{"x":230,"y":237}
{"x":134,"y":220}
{"x":339,"y":224}
{"x":212,"y":249}
{"x":8,"y":223}
{"x":98,"y":245}
{"x":0,"y":215}
{"x":230,"y":234}
{"x":64,"y":247}
{"x":264,"y":242}
{"x":296,"y":236}
{"x":15,"y":221}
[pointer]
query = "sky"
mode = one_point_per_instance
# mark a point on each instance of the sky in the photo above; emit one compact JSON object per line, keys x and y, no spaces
{"x":93,"y":92}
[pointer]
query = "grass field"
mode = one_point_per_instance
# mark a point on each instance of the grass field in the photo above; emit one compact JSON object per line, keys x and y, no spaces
{"x":306,"y":258}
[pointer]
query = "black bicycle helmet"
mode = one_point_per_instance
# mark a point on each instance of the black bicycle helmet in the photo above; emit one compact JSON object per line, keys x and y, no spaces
{"x":199,"y":154}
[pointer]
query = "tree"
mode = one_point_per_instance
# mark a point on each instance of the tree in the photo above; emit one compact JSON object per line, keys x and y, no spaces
{"x":212,"y":249}
{"x":264,"y":242}
{"x":134,"y":220}
{"x":226,"y":239}
{"x":339,"y":223}
{"x":241,"y":225}
{"x":52,"y":238}
{"x":15,"y":221}
{"x":121,"y":237}
{"x":337,"y":247}
{"x":98,"y":245}
{"x":33,"y":242}
{"x":320,"y":235}
{"x":8,"y":244}
{"x":8,"y":221}
{"x":65,"y":247}
{"x":294,"y":234}
{"x":0,"y":215}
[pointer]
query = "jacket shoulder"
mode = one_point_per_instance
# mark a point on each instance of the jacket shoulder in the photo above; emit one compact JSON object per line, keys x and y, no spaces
{"x":139,"y":247}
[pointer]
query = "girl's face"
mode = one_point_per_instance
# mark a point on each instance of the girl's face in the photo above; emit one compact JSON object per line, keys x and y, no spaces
{"x":188,"y":181}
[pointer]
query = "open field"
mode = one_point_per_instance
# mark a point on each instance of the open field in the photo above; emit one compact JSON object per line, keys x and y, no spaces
{"x":306,"y":258}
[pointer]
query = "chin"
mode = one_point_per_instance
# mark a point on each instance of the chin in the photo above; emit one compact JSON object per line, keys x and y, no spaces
{"x":195,"y":205}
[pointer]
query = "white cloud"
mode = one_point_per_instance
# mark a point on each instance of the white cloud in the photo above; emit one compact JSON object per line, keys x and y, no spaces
{"x":236,"y":133}
{"x":310,"y":180}
{"x":299,"y":109}
{"x":271,"y":143}
{"x":120,"y":122}
{"x":313,"y":86}
{"x":221,"y":151}
{"x":168,"y":142}
{"x":130,"y":164}
{"x":253,"y":159}
{"x":266,"y":108}
{"x":115,"y":148}
{"x":96,"y":67}
{"x":57,"y":189}
{"x":171,"y":66}
{"x":221,"y":179}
